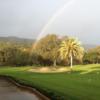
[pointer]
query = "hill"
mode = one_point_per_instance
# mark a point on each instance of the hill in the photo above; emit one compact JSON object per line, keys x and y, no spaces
{"x":27,"y":41}
{"x":89,"y":46}
{"x":16,"y":39}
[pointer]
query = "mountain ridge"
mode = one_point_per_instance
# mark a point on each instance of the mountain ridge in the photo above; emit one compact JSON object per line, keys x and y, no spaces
{"x":19,"y":40}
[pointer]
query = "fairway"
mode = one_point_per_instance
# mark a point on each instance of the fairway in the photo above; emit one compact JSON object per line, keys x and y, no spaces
{"x":81,"y":84}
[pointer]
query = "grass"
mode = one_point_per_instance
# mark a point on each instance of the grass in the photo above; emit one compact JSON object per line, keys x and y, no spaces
{"x":82,"y":84}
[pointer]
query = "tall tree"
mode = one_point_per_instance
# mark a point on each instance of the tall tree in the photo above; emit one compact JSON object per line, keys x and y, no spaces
{"x":47,"y":48}
{"x":71,"y":48}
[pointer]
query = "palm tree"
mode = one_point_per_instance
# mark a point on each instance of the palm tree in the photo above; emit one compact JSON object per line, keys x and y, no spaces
{"x":70,"y":48}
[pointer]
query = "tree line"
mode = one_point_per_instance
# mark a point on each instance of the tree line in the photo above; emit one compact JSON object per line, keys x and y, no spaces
{"x":51,"y":50}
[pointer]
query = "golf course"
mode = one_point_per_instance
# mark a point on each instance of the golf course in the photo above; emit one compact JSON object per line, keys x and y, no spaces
{"x":49,"y":49}
{"x":83,"y":83}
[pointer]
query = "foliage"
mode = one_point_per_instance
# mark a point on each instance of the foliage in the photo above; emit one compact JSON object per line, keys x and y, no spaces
{"x":71,"y":48}
{"x":13,"y":55}
{"x":92,"y":56}
{"x":45,"y":52}
{"x":47,"y":48}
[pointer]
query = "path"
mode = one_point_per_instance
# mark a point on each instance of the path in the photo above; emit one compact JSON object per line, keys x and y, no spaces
{"x":9,"y":91}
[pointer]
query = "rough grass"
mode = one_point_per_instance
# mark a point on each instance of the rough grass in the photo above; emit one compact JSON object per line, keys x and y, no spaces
{"x":81,"y":84}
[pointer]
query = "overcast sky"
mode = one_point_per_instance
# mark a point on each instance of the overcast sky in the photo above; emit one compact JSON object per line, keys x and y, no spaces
{"x":29,"y":18}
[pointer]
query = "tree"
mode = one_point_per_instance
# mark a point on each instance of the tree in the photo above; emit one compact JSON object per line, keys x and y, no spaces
{"x":70,"y":48}
{"x":47,"y":48}
{"x":13,"y":55}
{"x":92,"y":55}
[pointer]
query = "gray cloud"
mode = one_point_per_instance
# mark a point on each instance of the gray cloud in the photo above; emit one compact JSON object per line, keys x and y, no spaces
{"x":26,"y":18}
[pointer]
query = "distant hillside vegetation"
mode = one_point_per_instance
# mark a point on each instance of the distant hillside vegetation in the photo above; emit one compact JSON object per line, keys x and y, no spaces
{"x":89,"y":46}
{"x":16,"y":40}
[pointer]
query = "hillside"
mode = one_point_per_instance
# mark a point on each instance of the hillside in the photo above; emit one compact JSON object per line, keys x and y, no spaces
{"x":89,"y":46}
{"x":27,"y":41}
{"x":16,"y":39}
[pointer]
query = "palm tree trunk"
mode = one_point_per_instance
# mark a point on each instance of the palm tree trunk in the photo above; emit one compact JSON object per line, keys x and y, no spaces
{"x":71,"y":61}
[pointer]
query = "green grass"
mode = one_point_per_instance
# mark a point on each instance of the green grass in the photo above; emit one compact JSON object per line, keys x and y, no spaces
{"x":82,"y":84}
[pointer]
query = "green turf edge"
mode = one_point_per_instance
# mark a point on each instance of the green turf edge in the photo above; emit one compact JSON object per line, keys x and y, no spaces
{"x":53,"y":95}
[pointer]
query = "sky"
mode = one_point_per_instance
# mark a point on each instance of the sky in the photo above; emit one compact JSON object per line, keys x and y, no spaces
{"x":36,"y":18}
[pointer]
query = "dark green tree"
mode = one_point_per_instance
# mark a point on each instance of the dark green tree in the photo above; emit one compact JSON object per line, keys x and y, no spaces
{"x":47,"y":48}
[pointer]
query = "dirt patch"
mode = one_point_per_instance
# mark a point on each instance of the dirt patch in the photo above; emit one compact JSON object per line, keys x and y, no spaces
{"x":49,"y":69}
